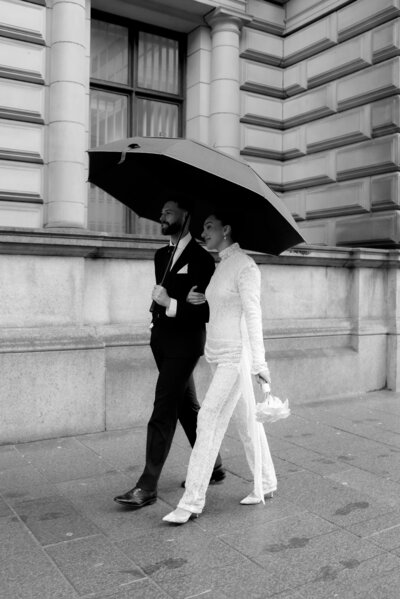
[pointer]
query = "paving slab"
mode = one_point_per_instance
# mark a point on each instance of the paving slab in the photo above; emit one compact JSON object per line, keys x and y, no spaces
{"x":10,"y":458}
{"x":238,"y":465}
{"x":173,"y":551}
{"x":294,"y":531}
{"x":93,"y":497}
{"x":94,"y":564}
{"x":308,"y":459}
{"x":121,"y":448}
{"x":357,"y":580}
{"x":17,"y":483}
{"x":373,"y":424}
{"x":65,"y":459}
{"x":5,"y":510}
{"x":26,"y":571}
{"x":249,"y":581}
{"x":139,"y":589}
{"x":374,"y":526}
{"x":380,"y":489}
{"x":383,"y":461}
{"x":53,"y":520}
{"x":332,"y":501}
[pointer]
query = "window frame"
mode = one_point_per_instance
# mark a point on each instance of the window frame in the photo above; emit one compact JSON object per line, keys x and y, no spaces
{"x":132,"y":90}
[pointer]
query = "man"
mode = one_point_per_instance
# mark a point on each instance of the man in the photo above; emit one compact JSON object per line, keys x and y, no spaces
{"x":177,"y":342}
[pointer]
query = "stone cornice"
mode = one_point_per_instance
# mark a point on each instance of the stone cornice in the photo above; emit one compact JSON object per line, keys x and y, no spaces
{"x":85,"y":244}
{"x":221,"y":14}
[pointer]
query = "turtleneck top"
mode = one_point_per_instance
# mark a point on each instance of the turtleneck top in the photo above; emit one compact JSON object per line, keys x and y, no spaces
{"x":233,"y":295}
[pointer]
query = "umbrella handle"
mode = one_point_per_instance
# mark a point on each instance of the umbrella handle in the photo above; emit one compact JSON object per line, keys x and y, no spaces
{"x":153,"y":303}
{"x":266,"y":387}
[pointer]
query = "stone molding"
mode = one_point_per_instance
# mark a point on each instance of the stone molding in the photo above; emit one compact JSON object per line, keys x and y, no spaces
{"x":368,"y":85}
{"x":266,"y":16}
{"x":320,"y":40}
{"x":309,"y":41}
{"x":20,"y":197}
{"x":365,"y":14}
{"x":21,"y":75}
{"x":20,"y":156}
{"x":299,"y":14}
{"x":261,"y":47}
{"x":338,"y":200}
{"x":385,"y":192}
{"x":261,"y":79}
{"x":41,"y":242}
{"x":378,"y":228}
{"x":386,"y":41}
{"x":368,"y":158}
{"x":78,"y":337}
{"x":24,"y":35}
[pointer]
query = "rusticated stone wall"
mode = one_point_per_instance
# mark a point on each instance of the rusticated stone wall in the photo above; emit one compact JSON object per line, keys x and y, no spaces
{"x":44,"y":105}
{"x":320,"y":114}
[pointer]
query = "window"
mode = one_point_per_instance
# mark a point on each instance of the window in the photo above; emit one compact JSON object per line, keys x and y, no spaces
{"x":136,"y":89}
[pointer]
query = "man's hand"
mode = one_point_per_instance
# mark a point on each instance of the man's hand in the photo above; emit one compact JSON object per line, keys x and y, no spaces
{"x":194,"y":297}
{"x":160,"y":296}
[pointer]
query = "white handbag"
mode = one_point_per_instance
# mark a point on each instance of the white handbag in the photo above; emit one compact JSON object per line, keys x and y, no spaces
{"x":272,"y":408}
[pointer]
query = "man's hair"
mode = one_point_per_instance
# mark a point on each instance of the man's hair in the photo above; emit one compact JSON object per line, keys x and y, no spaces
{"x":182,"y":200}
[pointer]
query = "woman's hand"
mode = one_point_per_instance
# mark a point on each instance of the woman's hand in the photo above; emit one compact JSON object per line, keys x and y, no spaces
{"x":195,"y":298}
{"x":263,"y":377}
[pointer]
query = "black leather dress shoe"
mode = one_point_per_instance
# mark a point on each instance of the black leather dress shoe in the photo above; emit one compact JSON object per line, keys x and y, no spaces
{"x":136,"y":498}
{"x":217,"y":477}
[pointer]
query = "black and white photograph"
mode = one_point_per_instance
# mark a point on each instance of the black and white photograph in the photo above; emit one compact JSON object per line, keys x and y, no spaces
{"x":200,"y":299}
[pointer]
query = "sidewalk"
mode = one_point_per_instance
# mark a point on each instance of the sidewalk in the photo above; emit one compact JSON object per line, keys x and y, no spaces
{"x":332,"y":529}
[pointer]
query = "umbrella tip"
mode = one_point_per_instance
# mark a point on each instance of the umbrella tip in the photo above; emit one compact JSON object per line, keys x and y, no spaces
{"x":133,"y":146}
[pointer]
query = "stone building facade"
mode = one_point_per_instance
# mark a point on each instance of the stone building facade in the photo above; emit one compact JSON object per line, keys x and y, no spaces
{"x":306,"y":91}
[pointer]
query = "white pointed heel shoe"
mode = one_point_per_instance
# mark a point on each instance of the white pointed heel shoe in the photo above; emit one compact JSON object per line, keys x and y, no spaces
{"x":252,"y":499}
{"x":179,"y":516}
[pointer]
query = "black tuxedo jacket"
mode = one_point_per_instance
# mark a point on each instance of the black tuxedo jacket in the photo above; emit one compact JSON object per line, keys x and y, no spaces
{"x":183,"y":334}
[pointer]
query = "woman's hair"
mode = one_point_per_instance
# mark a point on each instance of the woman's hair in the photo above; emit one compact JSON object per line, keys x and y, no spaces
{"x":227,"y":218}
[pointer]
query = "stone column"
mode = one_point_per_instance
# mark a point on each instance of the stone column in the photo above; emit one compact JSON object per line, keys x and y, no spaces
{"x":67,"y":102}
{"x":225,"y":79}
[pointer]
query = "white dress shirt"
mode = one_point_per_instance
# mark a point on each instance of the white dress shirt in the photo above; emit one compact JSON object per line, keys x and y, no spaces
{"x":172,"y":308}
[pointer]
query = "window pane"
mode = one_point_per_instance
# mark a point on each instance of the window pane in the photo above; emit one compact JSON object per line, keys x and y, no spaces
{"x":108,"y":122}
{"x":109,"y":52}
{"x":157,"y":119}
{"x":108,"y":117}
{"x":158,"y":63}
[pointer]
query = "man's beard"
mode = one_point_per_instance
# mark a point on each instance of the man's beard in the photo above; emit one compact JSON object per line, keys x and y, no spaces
{"x":170,"y":229}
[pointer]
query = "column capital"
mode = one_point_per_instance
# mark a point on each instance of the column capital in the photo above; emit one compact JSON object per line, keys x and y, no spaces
{"x":225,"y":17}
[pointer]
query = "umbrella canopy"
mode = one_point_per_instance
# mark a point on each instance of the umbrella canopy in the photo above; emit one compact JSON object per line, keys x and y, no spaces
{"x":141,"y":172}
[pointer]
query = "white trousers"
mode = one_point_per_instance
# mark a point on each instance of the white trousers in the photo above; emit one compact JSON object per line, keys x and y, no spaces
{"x":223,"y":400}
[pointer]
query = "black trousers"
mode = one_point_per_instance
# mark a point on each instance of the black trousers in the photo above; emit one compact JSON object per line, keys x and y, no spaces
{"x":175,"y":399}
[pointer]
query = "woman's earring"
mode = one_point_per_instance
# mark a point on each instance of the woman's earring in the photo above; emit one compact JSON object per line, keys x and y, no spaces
{"x":225,"y":236}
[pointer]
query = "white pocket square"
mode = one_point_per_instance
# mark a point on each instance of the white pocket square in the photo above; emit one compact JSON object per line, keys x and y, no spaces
{"x":183,"y":270}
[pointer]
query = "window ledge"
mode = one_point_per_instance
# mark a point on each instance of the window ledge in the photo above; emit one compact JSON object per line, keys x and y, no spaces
{"x":89,"y":244}
{"x":76,"y":243}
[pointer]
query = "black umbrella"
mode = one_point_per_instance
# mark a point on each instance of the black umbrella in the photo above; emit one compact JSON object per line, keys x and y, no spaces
{"x":141,"y":172}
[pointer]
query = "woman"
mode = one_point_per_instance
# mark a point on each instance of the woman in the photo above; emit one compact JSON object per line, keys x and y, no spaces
{"x":235,"y":349}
